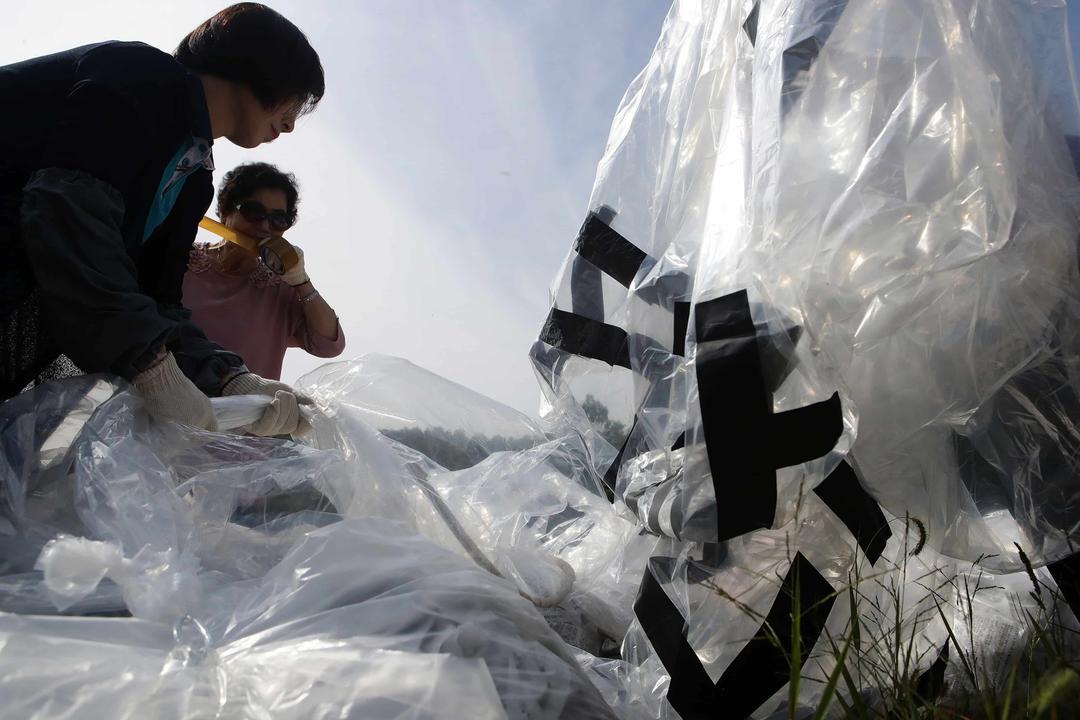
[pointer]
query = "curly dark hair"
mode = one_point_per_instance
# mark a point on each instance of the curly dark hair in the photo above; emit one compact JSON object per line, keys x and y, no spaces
{"x":250,"y":44}
{"x":240,"y":183}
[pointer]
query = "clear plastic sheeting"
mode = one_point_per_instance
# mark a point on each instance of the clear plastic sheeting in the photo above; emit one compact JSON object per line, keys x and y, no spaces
{"x":890,"y":214}
{"x":813,"y":355}
{"x":830,"y":266}
{"x":453,"y":425}
{"x":537,"y":516}
{"x":262,"y":579}
{"x":410,"y":634}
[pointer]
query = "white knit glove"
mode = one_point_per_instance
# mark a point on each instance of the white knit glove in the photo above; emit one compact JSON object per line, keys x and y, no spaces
{"x":297,"y":275}
{"x":169,"y":395}
{"x":282,"y":416}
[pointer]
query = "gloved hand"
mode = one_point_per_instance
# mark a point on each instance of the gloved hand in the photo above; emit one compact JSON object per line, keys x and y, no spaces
{"x":297,"y":275}
{"x":282,"y":416}
{"x":169,"y":395}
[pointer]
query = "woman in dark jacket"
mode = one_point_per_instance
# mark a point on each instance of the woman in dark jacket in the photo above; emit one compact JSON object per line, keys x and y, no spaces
{"x":105,"y":171}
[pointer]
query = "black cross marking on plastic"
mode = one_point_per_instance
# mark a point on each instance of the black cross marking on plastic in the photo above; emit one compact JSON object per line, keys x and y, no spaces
{"x":746,"y":442}
{"x":761,"y":667}
{"x":600,"y":250}
{"x":738,"y":370}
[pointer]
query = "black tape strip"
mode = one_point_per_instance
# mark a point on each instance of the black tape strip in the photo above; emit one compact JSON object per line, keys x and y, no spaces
{"x":682,"y":323}
{"x":844,"y":495}
{"x":612,"y":474}
{"x":1066,"y":574}
{"x":1072,"y":143}
{"x":735,"y":409}
{"x":723,"y":318}
{"x":606,"y":249}
{"x":805,"y":433}
{"x":798,"y":58}
{"x":586,"y":271}
{"x":579,"y":335}
{"x":656,"y":505}
{"x":750,"y":26}
{"x":744,"y":440}
{"x":586,"y":289}
{"x":931,"y":684}
{"x":691,"y":691}
{"x":759,"y":670}
{"x":601,"y":249}
{"x":778,"y":352}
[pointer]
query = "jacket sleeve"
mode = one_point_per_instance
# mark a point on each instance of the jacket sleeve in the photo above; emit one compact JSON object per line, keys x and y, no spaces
{"x":71,"y":222}
{"x":163,"y":263}
{"x":91,"y":301}
{"x":203,"y":361}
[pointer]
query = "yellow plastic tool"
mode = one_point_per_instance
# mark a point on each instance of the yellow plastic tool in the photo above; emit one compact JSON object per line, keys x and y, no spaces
{"x":276,"y":252}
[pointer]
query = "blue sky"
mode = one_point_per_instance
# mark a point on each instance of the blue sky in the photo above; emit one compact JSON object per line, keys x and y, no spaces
{"x":446,"y":172}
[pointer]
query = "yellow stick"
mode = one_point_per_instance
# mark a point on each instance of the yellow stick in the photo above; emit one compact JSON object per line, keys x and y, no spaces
{"x":234,"y":236}
{"x":276,"y":245}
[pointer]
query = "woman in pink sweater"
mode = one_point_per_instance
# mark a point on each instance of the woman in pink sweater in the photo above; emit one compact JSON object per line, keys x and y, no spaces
{"x":237,"y":301}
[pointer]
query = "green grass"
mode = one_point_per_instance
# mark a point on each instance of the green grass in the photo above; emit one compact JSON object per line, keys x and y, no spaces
{"x":876,"y":668}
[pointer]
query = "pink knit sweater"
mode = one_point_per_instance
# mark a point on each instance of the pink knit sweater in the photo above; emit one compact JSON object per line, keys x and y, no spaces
{"x":256,"y":316}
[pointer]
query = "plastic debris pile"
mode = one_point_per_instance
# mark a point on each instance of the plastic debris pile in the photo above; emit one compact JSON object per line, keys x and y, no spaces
{"x":830,"y":286}
{"x":814,"y":353}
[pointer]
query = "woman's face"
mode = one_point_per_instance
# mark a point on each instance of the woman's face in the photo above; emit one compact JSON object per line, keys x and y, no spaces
{"x":272,"y":200}
{"x":256,"y":125}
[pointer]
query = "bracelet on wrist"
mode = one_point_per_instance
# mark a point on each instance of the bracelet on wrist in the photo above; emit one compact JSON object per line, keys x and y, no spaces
{"x":308,"y":298}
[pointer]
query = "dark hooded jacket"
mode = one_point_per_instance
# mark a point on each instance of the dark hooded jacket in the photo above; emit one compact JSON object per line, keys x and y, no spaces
{"x":105,"y":171}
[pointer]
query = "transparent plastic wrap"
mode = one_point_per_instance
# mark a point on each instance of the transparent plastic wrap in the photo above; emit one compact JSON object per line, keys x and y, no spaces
{"x":536,"y":515}
{"x":360,"y":619}
{"x":813,"y":355}
{"x":826,"y":297}
{"x":929,"y":235}
{"x":275,"y":579}
{"x":454,"y":426}
{"x":529,"y":502}
{"x":891,"y":216}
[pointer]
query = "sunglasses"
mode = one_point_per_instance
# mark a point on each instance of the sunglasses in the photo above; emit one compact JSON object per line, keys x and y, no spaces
{"x":255,"y":212}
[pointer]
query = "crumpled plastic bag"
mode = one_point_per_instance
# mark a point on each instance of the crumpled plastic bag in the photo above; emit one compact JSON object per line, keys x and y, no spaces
{"x":814,"y":353}
{"x":162,"y":527}
{"x":823,"y":309}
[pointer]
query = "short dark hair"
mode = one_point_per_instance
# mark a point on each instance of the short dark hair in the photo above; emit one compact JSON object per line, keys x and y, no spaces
{"x":250,"y":44}
{"x":240,"y":183}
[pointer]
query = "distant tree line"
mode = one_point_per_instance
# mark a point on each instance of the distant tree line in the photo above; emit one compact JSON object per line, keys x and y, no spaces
{"x":457,"y":450}
{"x":611,"y":430}
{"x":454,"y":449}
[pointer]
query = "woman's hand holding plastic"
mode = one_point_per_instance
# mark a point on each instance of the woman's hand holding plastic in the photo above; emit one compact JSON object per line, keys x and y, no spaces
{"x":169,"y":395}
{"x":282,"y":416}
